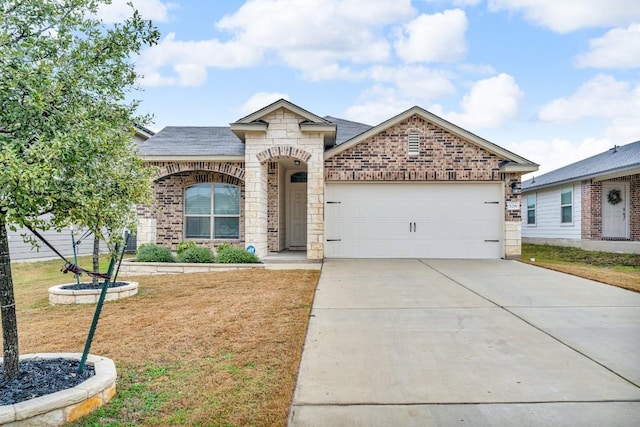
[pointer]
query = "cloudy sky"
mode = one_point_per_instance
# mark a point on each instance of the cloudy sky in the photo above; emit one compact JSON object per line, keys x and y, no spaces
{"x":552,"y":80}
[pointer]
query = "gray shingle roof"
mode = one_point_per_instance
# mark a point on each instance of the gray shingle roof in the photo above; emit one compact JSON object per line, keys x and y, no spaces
{"x":221,"y":141}
{"x":623,"y":158}
{"x":347,"y":129}
{"x":190,"y":141}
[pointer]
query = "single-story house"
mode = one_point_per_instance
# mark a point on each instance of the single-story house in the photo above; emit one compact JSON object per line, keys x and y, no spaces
{"x":592,"y":204}
{"x":283,"y":178}
{"x":19,"y":250}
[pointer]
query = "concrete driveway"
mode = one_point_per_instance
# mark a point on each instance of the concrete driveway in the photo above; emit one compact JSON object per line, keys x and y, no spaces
{"x":467,"y":342}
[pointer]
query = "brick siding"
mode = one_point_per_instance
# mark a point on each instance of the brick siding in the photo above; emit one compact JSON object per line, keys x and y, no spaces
{"x":168,"y":208}
{"x":592,"y":200}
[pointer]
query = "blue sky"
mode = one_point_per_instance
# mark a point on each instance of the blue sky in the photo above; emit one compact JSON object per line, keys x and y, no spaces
{"x":552,"y":80}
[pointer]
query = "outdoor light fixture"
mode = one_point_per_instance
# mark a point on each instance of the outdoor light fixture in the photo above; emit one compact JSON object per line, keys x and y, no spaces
{"x":296,"y":162}
{"x":515,"y":188}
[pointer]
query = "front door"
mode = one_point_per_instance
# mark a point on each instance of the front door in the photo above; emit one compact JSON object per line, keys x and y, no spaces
{"x":615,"y":210}
{"x":297,"y":212}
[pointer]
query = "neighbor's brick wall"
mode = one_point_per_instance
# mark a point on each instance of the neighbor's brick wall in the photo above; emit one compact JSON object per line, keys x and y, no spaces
{"x":442,"y":157}
{"x":168,"y":208}
{"x":592,"y":207}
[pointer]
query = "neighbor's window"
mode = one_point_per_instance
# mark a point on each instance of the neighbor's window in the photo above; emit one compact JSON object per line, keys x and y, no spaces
{"x":566,"y":206}
{"x":212,"y":211}
{"x":414,"y":144}
{"x":531,"y":209}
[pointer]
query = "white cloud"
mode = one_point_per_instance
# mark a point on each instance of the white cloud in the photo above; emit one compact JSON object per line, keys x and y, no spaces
{"x":563,"y":16}
{"x":261,"y":100}
{"x":319,"y":30}
{"x":190,"y":59}
{"x":377,"y":104}
{"x":618,"y":48}
{"x":415,"y":82}
{"x":556,"y":153}
{"x":490,"y":103}
{"x":601,"y":97}
{"x":118,"y":10}
{"x":434,"y":38}
{"x":324,"y":39}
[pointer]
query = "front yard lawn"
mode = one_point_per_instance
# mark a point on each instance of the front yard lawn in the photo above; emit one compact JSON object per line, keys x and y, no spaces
{"x":214,"y":349}
{"x":622,"y":270}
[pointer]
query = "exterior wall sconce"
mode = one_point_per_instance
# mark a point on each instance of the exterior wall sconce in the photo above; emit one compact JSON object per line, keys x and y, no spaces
{"x":296,"y":162}
{"x":515,"y":188}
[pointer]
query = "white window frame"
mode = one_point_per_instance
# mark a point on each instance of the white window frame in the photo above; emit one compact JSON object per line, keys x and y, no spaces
{"x":212,"y":215}
{"x":566,"y":205}
{"x":534,"y":209}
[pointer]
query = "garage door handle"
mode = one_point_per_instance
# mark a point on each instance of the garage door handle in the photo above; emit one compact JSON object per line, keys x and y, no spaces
{"x":490,"y":240}
{"x":334,"y":240}
{"x":491,"y":203}
{"x":336,"y":203}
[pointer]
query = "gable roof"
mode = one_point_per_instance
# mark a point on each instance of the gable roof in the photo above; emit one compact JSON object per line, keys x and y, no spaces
{"x":617,"y":161}
{"x":513,"y":162}
{"x":208,"y":143}
{"x":347,"y":129}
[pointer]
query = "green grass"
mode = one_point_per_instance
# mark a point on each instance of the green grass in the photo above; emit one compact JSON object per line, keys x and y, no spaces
{"x":575,"y":255}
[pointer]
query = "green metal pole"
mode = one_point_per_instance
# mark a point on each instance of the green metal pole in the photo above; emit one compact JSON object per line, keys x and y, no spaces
{"x":75,"y":254}
{"x":96,"y":315}
{"x":124,"y":248}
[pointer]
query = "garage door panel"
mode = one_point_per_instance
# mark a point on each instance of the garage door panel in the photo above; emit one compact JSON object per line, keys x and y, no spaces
{"x":414,"y":220}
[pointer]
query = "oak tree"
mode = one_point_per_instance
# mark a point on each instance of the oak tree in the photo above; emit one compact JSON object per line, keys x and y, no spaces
{"x":67,"y":154}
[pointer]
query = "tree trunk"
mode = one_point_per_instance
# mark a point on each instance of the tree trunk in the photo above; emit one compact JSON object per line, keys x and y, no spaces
{"x":96,"y":259}
{"x":8,"y":308}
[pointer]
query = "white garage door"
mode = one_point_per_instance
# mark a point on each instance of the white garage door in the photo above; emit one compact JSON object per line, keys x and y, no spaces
{"x":414,"y":220}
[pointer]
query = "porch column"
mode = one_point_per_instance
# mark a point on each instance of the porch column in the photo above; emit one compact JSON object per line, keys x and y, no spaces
{"x":255,"y":206}
{"x":315,"y":204}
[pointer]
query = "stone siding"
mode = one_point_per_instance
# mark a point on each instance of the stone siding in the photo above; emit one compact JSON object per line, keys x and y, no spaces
{"x":283,"y":139}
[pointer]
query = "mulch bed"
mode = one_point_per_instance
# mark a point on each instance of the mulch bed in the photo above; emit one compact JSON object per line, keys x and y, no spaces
{"x":90,"y":285}
{"x":41,"y":377}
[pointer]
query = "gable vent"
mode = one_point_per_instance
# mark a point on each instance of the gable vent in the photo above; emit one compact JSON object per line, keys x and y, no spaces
{"x":414,"y":144}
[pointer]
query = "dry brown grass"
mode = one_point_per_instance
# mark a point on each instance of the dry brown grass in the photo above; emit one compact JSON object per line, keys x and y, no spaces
{"x":194,"y":349}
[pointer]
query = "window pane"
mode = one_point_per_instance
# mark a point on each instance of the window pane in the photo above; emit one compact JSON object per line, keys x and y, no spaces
{"x":531,"y":217}
{"x":227,"y":228}
{"x":566,"y":214}
{"x":531,"y":201}
{"x":226,"y":200}
{"x":198,"y":227}
{"x":197,"y":200}
{"x":299,"y":177}
{"x":565,"y":197}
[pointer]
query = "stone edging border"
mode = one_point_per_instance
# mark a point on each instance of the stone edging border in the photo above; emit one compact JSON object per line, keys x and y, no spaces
{"x":67,"y":405}
{"x":132,"y":268}
{"x":57,"y":295}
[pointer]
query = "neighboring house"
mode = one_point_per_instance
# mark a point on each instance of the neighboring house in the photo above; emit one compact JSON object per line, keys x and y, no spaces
{"x":19,"y":250}
{"x":593,"y":204}
{"x":283,"y":178}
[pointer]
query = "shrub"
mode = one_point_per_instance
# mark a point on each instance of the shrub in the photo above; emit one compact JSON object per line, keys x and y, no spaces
{"x":150,"y":252}
{"x":228,"y":254}
{"x":184,"y":245}
{"x":196,"y":255}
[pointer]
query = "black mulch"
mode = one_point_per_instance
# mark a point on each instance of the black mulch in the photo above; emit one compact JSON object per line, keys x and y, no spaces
{"x":41,"y":377}
{"x":90,"y":285}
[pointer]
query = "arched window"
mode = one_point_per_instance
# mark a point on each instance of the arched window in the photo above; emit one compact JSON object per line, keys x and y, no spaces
{"x":212,"y":211}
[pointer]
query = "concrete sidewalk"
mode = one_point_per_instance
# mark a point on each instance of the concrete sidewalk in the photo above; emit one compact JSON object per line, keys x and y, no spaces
{"x":467,"y":342}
